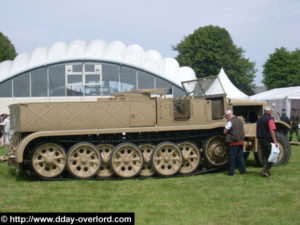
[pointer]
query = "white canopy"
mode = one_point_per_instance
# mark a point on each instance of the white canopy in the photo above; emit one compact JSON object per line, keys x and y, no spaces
{"x":223,"y":84}
{"x":279,"y":98}
{"x":278,"y":93}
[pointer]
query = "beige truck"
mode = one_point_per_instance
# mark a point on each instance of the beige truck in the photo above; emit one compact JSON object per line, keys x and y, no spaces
{"x":139,"y":133}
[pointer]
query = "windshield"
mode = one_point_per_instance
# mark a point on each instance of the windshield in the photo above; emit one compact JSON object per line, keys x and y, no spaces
{"x":203,"y":86}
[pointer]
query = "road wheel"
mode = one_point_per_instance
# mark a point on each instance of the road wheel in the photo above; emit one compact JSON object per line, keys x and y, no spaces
{"x":84,"y":160}
{"x":48,"y":160}
{"x":105,"y":151}
{"x":126,"y":160}
{"x":216,"y":151}
{"x":147,"y":150}
{"x":191,"y":157}
{"x":166,"y":159}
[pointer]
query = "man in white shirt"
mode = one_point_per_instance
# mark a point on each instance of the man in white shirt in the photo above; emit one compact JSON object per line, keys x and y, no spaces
{"x":7,"y":131}
{"x":234,"y":131}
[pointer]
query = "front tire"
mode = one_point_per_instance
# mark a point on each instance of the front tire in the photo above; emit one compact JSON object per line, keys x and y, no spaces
{"x":285,"y":151}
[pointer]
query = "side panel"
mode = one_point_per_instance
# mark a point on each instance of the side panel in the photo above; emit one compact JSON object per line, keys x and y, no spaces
{"x":71,"y":116}
{"x":142,"y":113}
{"x":128,"y":111}
{"x":201,"y":111}
{"x":165,"y":112}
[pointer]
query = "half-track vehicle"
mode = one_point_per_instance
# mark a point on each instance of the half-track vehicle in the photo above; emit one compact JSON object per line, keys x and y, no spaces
{"x":139,"y":133}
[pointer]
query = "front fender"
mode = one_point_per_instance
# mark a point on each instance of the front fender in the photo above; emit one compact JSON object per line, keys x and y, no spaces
{"x":280,"y":125}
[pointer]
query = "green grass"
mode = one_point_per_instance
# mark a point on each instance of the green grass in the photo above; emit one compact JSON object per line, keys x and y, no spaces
{"x":203,"y":199}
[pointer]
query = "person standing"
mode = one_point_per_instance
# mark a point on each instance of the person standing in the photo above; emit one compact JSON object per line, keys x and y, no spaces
{"x":266,"y":134}
{"x":1,"y":129}
{"x":7,"y":131}
{"x":285,"y":119}
{"x":234,"y":131}
{"x":294,"y":124}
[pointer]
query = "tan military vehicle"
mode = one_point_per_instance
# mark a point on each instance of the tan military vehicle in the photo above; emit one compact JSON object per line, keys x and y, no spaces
{"x":139,"y":133}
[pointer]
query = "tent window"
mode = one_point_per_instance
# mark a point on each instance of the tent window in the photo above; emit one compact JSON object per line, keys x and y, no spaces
{"x":74,"y":80}
{"x":160,"y":83}
{"x":39,"y":83}
{"x":178,"y":92}
{"x":128,"y":79}
{"x":92,"y":79}
{"x":110,"y":79}
{"x":5,"y":89}
{"x":57,"y":80}
{"x":145,"y":80}
{"x":21,"y":86}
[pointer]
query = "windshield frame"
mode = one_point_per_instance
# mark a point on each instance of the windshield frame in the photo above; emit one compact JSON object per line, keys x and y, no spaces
{"x":199,"y":82}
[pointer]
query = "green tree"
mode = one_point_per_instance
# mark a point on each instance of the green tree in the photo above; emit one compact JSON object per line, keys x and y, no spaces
{"x":294,"y":79}
{"x":211,"y":47}
{"x":7,"y":50}
{"x":282,"y":69}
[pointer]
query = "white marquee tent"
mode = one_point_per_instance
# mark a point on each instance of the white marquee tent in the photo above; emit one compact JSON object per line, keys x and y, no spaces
{"x":281,"y":98}
{"x":225,"y":85}
{"x":115,"y":51}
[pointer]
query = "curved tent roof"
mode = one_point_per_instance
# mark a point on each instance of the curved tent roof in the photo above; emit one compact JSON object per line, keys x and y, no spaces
{"x":115,"y":51}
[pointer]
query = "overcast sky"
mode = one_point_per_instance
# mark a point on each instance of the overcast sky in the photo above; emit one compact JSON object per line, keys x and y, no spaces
{"x":257,"y":26}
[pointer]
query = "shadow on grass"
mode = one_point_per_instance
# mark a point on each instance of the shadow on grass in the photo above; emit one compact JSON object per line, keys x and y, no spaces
{"x":251,"y":163}
{"x":21,"y":176}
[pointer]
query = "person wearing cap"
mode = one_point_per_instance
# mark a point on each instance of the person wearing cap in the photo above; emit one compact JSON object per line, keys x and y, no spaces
{"x":285,"y":119}
{"x":234,"y":131}
{"x":265,"y":131}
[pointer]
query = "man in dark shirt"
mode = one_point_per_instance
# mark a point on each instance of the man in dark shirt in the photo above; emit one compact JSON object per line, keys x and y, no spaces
{"x":284,"y":118}
{"x":266,"y":134}
{"x":234,"y":131}
{"x":294,"y":124}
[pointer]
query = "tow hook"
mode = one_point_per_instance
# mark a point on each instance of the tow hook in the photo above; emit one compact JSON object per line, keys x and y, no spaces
{"x":3,"y":159}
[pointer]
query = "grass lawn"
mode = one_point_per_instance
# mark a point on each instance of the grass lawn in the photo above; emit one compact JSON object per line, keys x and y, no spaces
{"x":203,"y":199}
